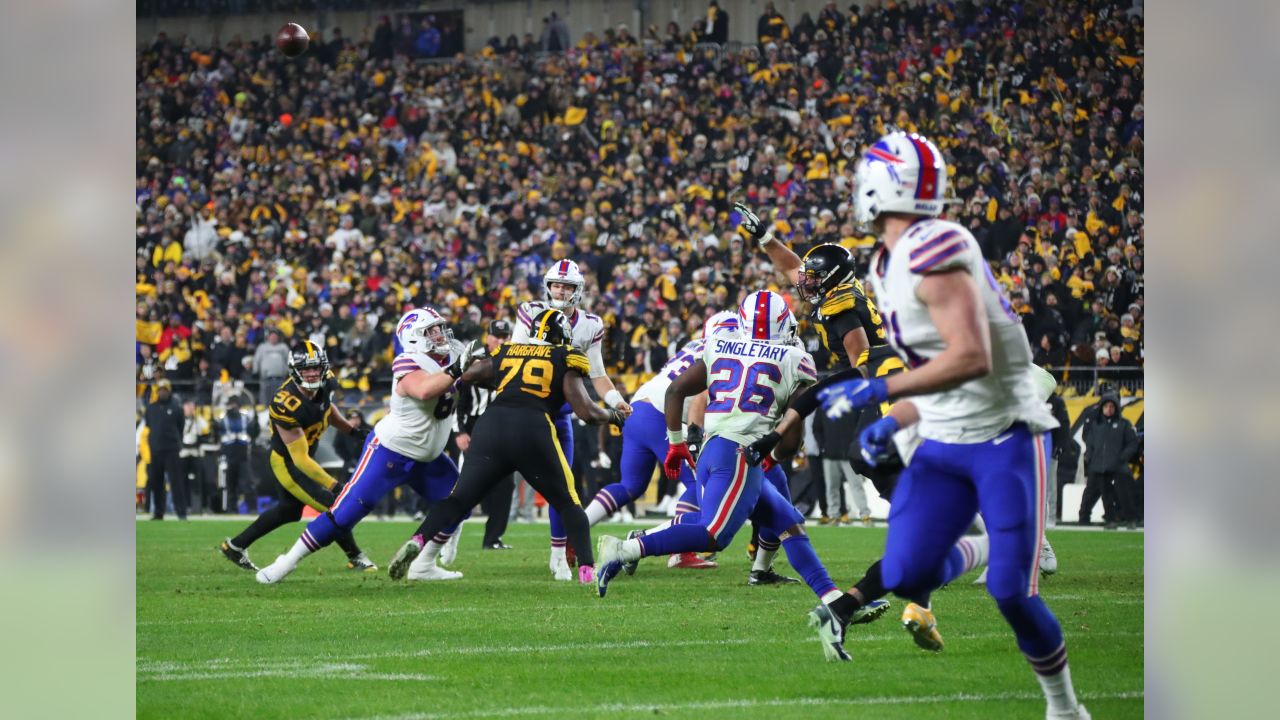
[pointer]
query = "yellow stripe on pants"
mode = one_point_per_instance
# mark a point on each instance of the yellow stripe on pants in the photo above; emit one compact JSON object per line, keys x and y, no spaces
{"x":564,"y":464}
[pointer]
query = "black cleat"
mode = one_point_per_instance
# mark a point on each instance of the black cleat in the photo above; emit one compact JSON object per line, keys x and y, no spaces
{"x":496,"y":545}
{"x":237,"y":556}
{"x":769,"y":577}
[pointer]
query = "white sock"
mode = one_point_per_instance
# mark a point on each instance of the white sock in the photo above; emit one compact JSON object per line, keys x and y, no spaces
{"x":1058,"y":691}
{"x":659,"y":528}
{"x":428,"y":556}
{"x":764,"y":560}
{"x":978,"y":527}
{"x":297,"y":552}
{"x":630,"y":550}
{"x":979,"y":547}
{"x":596,"y":512}
{"x":831,"y":596}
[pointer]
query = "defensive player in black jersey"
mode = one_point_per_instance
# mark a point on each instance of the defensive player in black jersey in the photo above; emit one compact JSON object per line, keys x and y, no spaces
{"x":300,"y":411}
{"x":517,"y":433}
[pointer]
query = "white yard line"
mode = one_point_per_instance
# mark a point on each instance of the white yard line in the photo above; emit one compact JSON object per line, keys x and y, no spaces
{"x":651,"y":708}
{"x":175,"y":672}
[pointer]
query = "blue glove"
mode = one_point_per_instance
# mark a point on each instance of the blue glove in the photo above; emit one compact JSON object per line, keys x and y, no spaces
{"x":876,"y":438}
{"x":845,"y":397}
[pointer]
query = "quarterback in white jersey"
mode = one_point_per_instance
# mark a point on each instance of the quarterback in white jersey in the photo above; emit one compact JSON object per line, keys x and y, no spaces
{"x":974,"y":398}
{"x":406,"y":447}
{"x":564,"y":286}
{"x":749,"y":379}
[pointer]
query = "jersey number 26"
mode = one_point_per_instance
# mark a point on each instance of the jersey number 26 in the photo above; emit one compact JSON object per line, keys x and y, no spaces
{"x":756,"y":396}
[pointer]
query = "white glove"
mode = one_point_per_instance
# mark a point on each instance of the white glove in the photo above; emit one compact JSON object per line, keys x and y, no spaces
{"x":604,"y":461}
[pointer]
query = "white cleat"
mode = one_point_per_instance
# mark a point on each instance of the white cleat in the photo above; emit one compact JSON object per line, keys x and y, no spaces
{"x":275,"y":572}
{"x":404,"y":557}
{"x":561,"y":570}
{"x":449,"y":552}
{"x":433,"y":572}
{"x":1079,"y":713}
{"x":981,"y":578}
{"x":1048,"y":558}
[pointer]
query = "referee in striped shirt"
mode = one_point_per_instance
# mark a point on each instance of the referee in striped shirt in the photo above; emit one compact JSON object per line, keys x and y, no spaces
{"x":471,"y":405}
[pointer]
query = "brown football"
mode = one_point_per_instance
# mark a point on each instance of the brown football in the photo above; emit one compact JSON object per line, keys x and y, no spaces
{"x":292,"y":39}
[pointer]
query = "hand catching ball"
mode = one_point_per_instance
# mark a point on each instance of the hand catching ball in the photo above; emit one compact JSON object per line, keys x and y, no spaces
{"x":292,"y":39}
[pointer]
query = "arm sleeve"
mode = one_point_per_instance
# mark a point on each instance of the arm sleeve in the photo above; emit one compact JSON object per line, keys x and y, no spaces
{"x":308,"y":465}
{"x":595,"y":361}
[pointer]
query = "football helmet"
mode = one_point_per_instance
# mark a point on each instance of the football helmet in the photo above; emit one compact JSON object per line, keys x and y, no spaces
{"x":823,"y":268}
{"x":565,"y":271}
{"x":424,"y":330}
{"x":308,"y":356}
{"x":724,"y":322}
{"x":902,"y":172}
{"x":551,"y":327}
{"x":765,"y":317}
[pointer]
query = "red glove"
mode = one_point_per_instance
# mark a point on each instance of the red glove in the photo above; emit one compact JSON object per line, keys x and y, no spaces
{"x":768,"y":463}
{"x":675,"y":455}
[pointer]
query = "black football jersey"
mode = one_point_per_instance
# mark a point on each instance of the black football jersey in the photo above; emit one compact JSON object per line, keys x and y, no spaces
{"x":293,"y":407}
{"x":533,"y":375}
{"x":844,"y":309}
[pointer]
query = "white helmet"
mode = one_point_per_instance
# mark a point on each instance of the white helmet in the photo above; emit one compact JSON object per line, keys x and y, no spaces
{"x":902,"y":173}
{"x":765,"y":317}
{"x":724,"y":322}
{"x":423,"y":330}
{"x":565,"y":271}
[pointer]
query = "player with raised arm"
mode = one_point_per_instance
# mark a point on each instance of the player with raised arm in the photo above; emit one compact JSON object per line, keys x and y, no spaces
{"x":300,"y":412}
{"x":749,"y":379}
{"x":516,"y":434}
{"x":406,"y":447}
{"x":974,"y":405}
{"x":564,"y":286}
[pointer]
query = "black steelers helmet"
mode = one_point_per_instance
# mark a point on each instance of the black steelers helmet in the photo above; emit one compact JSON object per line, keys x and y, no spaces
{"x":552,"y":327}
{"x":823,"y":268}
{"x":307,"y":355}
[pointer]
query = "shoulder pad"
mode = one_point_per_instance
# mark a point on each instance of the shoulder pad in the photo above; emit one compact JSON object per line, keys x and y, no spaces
{"x":940,"y":247}
{"x":840,"y":299}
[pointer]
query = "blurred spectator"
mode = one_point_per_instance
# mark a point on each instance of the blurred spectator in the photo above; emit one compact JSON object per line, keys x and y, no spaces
{"x":164,"y":420}
{"x":1110,"y":444}
{"x":715,"y":29}
{"x":271,"y":365}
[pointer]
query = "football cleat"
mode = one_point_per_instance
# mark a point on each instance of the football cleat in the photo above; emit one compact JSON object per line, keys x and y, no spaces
{"x":769,"y":577}
{"x":608,"y":560}
{"x":561,"y":571}
{"x":870,"y":612}
{"x":275,"y":572}
{"x":361,"y":563}
{"x":690,"y":561}
{"x":866,"y":520}
{"x":919,"y":621}
{"x":844,"y":519}
{"x":433,"y":572}
{"x":1077,"y":713}
{"x":1048,"y":558}
{"x":497,"y":545}
{"x":449,"y":552}
{"x":629,"y":567}
{"x":237,"y":556}
{"x":586,"y":575}
{"x":830,"y":631}
{"x":824,"y":520}
{"x":403,"y":559}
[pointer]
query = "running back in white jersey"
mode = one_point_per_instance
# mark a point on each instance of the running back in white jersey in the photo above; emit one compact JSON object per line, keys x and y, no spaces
{"x":415,"y":428}
{"x":982,"y":408}
{"x":750,"y":384}
{"x":588,"y":332}
{"x":654,"y":391}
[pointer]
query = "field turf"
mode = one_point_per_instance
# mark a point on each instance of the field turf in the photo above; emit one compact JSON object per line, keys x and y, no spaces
{"x":507,"y":641}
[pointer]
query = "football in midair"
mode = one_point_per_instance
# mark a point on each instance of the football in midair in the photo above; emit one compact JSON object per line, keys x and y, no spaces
{"x":292,"y":39}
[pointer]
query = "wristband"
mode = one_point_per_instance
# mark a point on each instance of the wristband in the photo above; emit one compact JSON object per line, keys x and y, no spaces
{"x":613,"y":398}
{"x":675,"y":437}
{"x":766,"y":238}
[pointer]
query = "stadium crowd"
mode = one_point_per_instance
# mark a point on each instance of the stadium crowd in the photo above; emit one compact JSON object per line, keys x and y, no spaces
{"x":318,"y":197}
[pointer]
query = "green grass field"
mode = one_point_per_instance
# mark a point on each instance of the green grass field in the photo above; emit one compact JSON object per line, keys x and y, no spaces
{"x":507,"y":641}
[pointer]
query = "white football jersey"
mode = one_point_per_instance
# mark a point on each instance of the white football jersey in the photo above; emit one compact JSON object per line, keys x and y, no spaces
{"x":980,"y":409}
{"x":654,"y":391}
{"x":588,"y":332}
{"x":415,"y":428}
{"x":750,"y":384}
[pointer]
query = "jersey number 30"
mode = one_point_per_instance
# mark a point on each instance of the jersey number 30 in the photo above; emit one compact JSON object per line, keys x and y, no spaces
{"x":756,"y":397}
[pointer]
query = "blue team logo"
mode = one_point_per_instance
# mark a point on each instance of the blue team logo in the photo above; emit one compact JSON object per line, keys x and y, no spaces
{"x":409,"y":319}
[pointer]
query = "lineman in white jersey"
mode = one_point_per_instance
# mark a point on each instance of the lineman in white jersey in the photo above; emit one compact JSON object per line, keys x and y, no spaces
{"x":973,"y":397}
{"x":564,"y":285}
{"x":406,"y":447}
{"x":749,"y":379}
